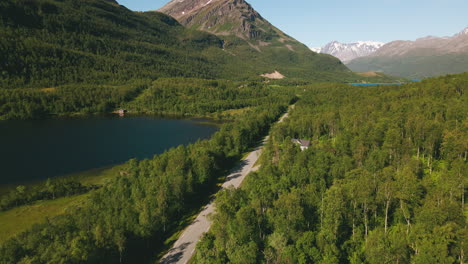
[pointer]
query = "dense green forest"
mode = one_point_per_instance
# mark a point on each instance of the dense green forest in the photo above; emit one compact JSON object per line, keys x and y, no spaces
{"x":384,"y":181}
{"x":188,"y":96}
{"x":178,"y":96}
{"x":128,"y":218}
{"x":67,"y":99}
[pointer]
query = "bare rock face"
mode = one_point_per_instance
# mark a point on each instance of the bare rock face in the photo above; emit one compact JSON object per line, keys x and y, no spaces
{"x":221,"y":17}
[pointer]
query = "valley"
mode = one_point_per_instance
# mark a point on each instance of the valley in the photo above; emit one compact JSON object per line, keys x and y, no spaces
{"x":200,"y":132}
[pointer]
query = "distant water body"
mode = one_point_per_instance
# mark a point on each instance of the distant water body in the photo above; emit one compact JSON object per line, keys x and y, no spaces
{"x":374,"y":84}
{"x":39,"y":149}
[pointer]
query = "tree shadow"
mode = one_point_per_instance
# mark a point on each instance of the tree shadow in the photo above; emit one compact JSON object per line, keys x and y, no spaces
{"x":237,"y":172}
{"x":175,"y":254}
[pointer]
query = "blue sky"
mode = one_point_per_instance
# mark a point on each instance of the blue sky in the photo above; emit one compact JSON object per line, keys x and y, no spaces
{"x":316,"y":23}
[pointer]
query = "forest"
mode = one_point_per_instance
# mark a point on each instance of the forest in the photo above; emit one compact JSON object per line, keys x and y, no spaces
{"x":189,"y":96}
{"x":384,"y":181}
{"x":169,"y":96}
{"x":66,"y":100}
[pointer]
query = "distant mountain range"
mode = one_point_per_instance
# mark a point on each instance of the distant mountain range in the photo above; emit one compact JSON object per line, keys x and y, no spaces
{"x":349,"y":51}
{"x":424,"y":57}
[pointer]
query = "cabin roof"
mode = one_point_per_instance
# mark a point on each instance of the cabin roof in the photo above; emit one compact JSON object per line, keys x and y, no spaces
{"x":302,"y":142}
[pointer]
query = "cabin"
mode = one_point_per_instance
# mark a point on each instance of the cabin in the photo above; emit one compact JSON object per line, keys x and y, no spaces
{"x":304,"y":144}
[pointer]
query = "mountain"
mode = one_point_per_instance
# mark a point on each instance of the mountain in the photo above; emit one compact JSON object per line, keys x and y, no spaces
{"x":349,"y":51}
{"x":247,"y":36}
{"x":48,"y":43}
{"x":424,"y":57}
{"x":222,"y":17}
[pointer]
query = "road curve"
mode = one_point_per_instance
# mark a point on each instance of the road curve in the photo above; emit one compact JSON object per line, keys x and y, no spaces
{"x":183,"y":249}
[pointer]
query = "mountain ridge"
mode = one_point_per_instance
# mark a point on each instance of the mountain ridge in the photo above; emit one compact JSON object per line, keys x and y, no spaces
{"x":453,"y":44}
{"x":424,"y":57}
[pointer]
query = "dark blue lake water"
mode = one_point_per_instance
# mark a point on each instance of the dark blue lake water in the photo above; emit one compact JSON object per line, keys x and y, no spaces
{"x":39,"y":149}
{"x":374,"y":84}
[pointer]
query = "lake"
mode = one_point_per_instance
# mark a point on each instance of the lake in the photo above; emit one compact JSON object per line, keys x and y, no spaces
{"x":38,"y":149}
{"x":374,"y":84}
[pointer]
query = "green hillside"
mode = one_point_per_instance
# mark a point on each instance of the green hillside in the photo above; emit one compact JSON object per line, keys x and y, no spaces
{"x":46,"y":43}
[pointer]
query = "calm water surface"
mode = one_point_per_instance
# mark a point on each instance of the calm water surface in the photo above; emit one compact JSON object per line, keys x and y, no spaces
{"x":374,"y":84}
{"x":39,"y":149}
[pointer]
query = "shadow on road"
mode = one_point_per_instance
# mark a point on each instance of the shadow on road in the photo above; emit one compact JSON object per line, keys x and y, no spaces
{"x":236,"y":173}
{"x":175,"y":254}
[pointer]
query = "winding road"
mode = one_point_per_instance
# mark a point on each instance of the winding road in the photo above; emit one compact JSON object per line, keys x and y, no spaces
{"x":183,"y":249}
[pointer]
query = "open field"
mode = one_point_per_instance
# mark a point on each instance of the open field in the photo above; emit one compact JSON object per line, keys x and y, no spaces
{"x":21,"y":218}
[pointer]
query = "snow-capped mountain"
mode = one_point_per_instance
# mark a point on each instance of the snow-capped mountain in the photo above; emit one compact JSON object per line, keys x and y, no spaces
{"x":349,"y":51}
{"x":421,"y":58}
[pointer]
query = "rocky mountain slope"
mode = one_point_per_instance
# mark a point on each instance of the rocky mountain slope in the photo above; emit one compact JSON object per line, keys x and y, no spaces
{"x":349,"y":51}
{"x":249,"y":37}
{"x":221,"y":17}
{"x":424,"y":57}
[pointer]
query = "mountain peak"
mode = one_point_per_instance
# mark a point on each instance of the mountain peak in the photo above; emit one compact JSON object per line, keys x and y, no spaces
{"x":245,"y":32}
{"x":463,"y":32}
{"x":221,"y":17}
{"x":349,"y":51}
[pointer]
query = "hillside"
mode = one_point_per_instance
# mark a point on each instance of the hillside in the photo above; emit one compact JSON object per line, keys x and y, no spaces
{"x":46,"y":43}
{"x":248,"y":36}
{"x":424,"y":57}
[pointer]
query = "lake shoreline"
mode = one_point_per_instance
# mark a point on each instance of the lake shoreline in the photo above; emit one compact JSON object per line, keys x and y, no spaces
{"x":41,"y":149}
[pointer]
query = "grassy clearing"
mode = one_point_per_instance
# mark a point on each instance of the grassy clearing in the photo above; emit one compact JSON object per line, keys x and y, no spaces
{"x":22,"y":218}
{"x":368,"y":74}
